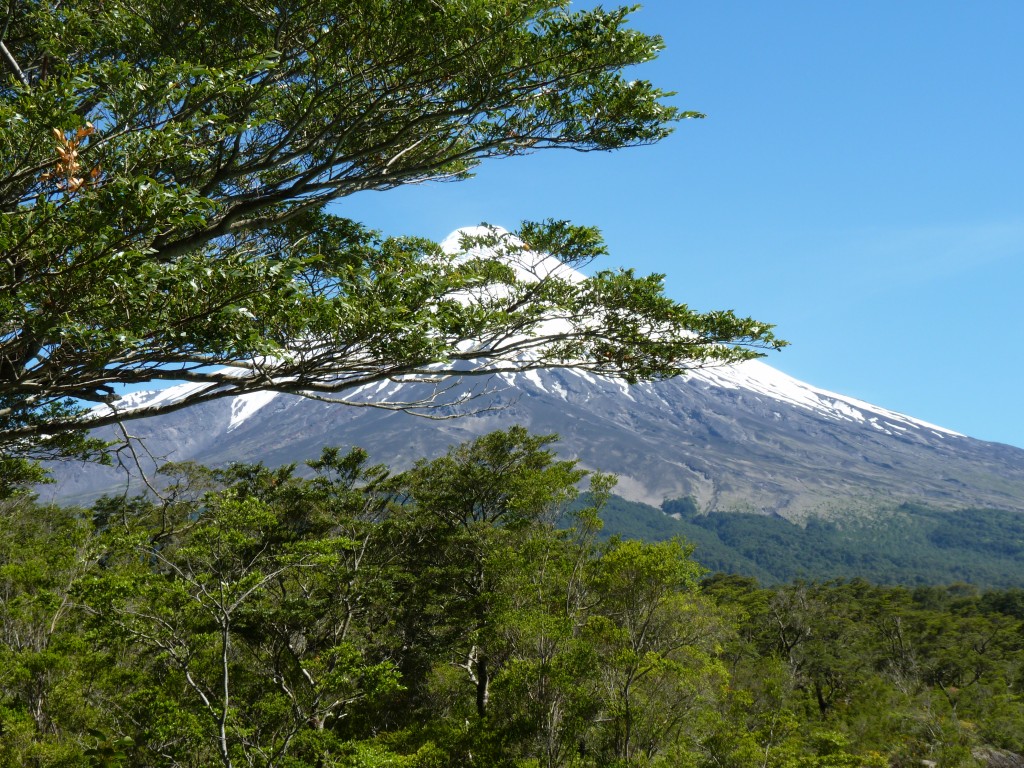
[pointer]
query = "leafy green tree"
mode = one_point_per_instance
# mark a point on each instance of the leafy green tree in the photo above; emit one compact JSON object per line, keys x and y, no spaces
{"x":252,"y":611}
{"x":655,"y":638}
{"x":188,"y":609}
{"x":165,"y":172}
{"x":48,"y":669}
{"x":821,"y":632}
{"x":476,"y":506}
{"x":551,"y":650}
{"x":312,"y":632}
{"x":545,"y":696}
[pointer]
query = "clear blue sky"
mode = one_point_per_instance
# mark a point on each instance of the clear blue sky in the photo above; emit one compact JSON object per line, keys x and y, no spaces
{"x":859,"y":181}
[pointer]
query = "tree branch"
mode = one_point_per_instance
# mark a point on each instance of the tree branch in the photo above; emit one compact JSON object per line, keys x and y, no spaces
{"x":13,"y":64}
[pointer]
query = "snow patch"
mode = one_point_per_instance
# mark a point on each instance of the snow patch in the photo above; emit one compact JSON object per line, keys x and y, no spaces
{"x":758,"y":377}
{"x":624,"y":387}
{"x":244,"y":406}
{"x":151,"y":398}
{"x":534,"y":378}
{"x":846,"y":410}
{"x":561,"y":391}
{"x":587,"y":377}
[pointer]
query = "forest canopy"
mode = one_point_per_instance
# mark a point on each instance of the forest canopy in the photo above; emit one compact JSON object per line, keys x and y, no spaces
{"x":465,"y":613}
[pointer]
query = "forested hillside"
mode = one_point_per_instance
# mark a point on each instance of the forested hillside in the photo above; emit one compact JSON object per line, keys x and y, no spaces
{"x":908,"y":544}
{"x":464,"y":613}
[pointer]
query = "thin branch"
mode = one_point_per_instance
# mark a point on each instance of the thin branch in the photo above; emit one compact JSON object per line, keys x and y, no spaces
{"x":13,"y":64}
{"x":129,"y":441}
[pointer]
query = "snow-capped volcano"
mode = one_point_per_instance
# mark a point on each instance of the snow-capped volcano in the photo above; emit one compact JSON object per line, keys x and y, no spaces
{"x":739,"y":437}
{"x":744,"y":437}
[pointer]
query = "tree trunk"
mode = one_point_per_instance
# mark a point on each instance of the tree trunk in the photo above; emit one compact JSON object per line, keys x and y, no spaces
{"x":482,"y":684}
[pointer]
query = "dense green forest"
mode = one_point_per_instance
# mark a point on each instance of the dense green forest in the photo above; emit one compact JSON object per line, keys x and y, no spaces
{"x":467,"y":612}
{"x":909,"y":544}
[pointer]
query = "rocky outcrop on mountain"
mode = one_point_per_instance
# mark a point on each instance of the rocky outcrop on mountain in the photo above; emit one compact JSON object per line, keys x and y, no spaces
{"x":998,"y":758}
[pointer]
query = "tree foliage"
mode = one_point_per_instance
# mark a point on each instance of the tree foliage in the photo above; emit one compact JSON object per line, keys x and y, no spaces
{"x":166,"y":175}
{"x":465,"y":613}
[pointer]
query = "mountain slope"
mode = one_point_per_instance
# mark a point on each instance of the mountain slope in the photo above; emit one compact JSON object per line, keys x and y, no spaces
{"x":738,"y":438}
{"x":909,"y":544}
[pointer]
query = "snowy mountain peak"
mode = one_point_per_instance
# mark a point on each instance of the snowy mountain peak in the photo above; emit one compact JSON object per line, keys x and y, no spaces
{"x":757,"y":377}
{"x":529,"y":265}
{"x":732,"y":437}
